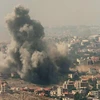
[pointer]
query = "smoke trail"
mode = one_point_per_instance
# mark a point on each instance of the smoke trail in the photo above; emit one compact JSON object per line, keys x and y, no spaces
{"x":29,"y":55}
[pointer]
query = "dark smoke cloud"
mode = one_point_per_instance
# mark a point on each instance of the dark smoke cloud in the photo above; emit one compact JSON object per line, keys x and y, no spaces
{"x":29,"y":55}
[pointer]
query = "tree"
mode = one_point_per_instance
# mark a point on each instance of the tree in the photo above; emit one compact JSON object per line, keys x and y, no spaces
{"x":77,"y":96}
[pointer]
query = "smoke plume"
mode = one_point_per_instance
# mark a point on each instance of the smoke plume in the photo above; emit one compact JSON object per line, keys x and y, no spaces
{"x":29,"y":55}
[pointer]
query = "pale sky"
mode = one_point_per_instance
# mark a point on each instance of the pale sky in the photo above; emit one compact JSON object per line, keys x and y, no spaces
{"x":54,"y":12}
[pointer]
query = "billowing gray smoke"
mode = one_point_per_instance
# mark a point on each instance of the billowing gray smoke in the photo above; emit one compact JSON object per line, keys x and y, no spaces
{"x":29,"y":55}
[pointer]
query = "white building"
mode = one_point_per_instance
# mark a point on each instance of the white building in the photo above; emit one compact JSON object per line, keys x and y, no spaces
{"x":59,"y":91}
{"x":65,"y":85}
{"x":98,"y":85}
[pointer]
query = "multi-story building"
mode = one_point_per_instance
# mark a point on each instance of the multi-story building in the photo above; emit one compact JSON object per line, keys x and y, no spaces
{"x":59,"y":91}
{"x":81,"y":84}
{"x":4,"y":87}
{"x":69,"y":85}
{"x":98,"y":85}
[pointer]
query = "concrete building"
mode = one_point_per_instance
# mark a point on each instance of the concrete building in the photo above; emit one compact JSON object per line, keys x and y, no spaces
{"x":98,"y":85}
{"x":65,"y":85}
{"x":96,"y":94}
{"x":59,"y":91}
{"x":4,"y":87}
{"x":81,"y":84}
{"x":68,"y":85}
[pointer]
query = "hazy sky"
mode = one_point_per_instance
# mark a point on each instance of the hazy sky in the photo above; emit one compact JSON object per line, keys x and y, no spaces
{"x":54,"y":12}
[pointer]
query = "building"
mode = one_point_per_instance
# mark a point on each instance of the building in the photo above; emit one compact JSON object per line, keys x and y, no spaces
{"x":69,"y":85}
{"x":59,"y":91}
{"x":95,"y":94}
{"x":98,"y":85}
{"x":81,"y":84}
{"x":4,"y":87}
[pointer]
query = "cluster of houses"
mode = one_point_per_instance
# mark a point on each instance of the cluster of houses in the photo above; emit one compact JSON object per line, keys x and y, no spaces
{"x":85,"y":49}
{"x":70,"y":88}
{"x":67,"y":90}
{"x":64,"y":92}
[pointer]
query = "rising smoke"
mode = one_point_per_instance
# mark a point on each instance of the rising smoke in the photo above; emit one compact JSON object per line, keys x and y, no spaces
{"x":29,"y":55}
